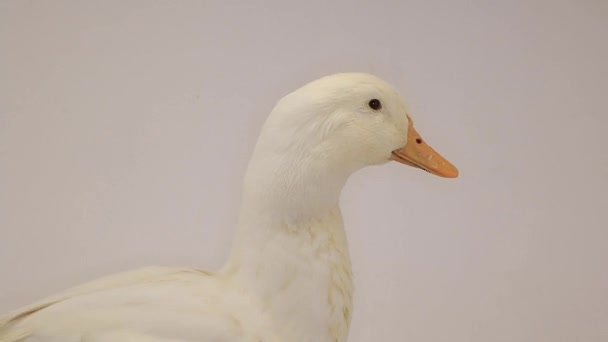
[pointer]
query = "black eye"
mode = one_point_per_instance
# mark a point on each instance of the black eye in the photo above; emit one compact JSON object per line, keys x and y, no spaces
{"x":375,"y":104}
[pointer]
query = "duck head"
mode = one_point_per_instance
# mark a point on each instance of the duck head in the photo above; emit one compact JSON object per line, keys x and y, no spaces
{"x":345,"y":122}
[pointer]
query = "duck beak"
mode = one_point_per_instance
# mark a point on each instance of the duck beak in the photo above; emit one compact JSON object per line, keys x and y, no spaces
{"x":418,"y":153}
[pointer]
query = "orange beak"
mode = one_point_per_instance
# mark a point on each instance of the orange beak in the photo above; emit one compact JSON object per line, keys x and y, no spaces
{"x":418,"y":154}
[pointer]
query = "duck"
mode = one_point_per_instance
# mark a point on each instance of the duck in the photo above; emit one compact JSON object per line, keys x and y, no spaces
{"x":288,"y":274}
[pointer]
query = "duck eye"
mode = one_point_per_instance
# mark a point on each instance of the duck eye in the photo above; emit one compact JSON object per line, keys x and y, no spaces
{"x":375,"y":104}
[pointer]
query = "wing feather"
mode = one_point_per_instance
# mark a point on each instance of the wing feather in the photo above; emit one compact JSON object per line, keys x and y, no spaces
{"x":12,"y":331}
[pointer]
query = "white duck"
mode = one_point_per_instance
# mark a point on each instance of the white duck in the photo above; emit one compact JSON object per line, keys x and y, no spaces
{"x":288,"y":277}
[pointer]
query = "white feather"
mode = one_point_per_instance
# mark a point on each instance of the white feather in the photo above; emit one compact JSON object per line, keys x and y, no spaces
{"x":288,"y":277}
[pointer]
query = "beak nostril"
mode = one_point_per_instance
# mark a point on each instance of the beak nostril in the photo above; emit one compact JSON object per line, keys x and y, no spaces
{"x":418,"y":141}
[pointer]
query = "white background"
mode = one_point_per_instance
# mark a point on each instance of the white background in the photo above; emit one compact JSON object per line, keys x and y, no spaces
{"x":126,"y":126}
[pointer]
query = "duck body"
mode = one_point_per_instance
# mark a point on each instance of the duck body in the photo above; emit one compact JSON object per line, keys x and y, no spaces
{"x":297,"y":288}
{"x":288,"y":277}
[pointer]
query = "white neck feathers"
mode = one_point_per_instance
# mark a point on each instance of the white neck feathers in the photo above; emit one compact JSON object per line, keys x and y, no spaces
{"x":290,"y":249}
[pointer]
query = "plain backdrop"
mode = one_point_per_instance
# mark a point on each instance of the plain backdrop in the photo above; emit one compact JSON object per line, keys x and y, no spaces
{"x":126,"y":126}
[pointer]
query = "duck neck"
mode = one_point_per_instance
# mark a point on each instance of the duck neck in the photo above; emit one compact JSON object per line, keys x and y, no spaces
{"x":291,"y":252}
